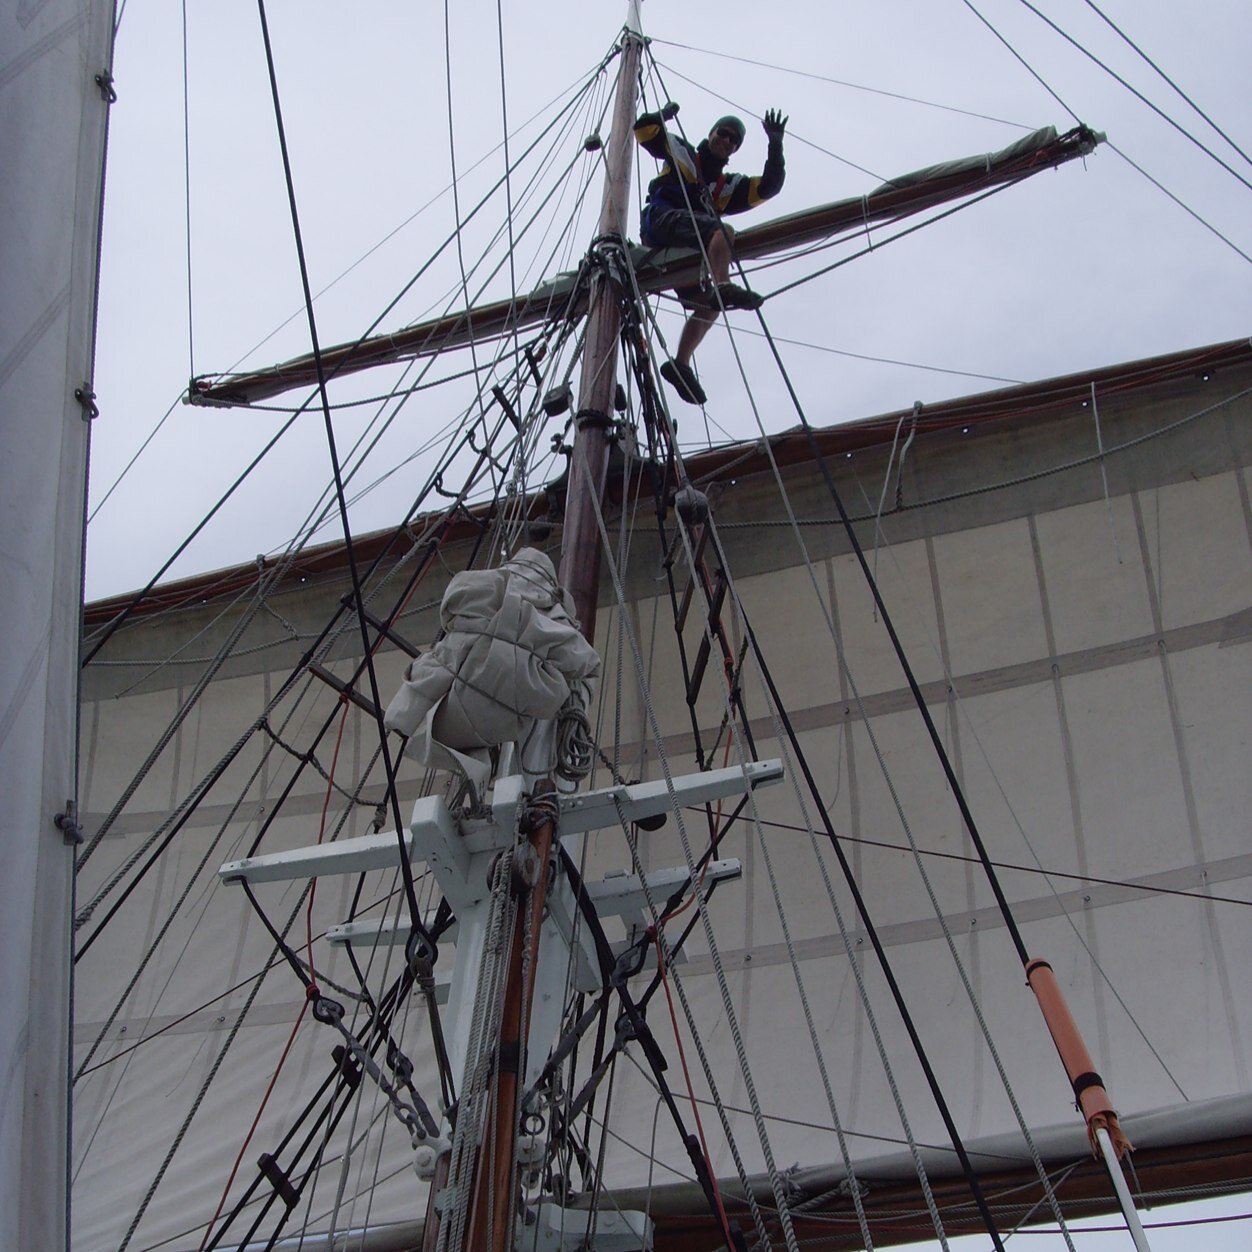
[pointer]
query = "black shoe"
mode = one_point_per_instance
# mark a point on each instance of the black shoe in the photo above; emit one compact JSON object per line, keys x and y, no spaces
{"x":733,"y":296}
{"x":695,"y":297}
{"x":684,"y":381}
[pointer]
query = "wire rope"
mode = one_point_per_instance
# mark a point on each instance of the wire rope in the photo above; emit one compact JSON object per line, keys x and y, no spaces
{"x":710,"y":939}
{"x":908,"y":230}
{"x":1186,"y":208}
{"x":191,"y":334}
{"x":376,"y":701}
{"x":296,"y":313}
{"x":839,"y":82}
{"x":867,"y":1005}
{"x":129,"y":464}
{"x":582,"y":79}
{"x":456,"y":195}
{"x":508,"y":184}
{"x":1114,"y":147}
{"x":1182,"y":130}
{"x":101,"y":637}
{"x":102,"y":830}
{"x":1022,"y":61}
{"x":1109,"y":21}
{"x":808,"y":143}
{"x":1036,"y":869}
{"x":967,"y":816}
{"x":184,"y":812}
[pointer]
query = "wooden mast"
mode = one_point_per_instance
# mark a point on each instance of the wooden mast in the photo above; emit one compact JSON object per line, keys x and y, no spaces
{"x":495,"y":1179}
{"x":580,"y":543}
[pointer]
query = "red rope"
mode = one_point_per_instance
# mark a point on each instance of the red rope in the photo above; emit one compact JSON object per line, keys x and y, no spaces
{"x":310,"y":992}
{"x":321,"y":834}
{"x":691,"y":1095}
{"x":255,"y":1122}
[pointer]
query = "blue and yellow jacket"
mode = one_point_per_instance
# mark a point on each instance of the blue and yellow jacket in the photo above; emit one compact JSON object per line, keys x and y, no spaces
{"x":709,"y":189}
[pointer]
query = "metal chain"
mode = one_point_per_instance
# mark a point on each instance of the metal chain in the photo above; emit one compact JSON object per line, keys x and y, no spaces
{"x":415,"y":1118}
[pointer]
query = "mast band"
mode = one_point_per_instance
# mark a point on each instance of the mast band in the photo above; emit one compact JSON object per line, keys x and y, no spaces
{"x":1085,"y":1081}
{"x":592,"y":417}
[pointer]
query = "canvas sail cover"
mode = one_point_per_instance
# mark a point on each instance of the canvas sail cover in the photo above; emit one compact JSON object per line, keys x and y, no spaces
{"x":1028,"y":145}
{"x":511,"y":656}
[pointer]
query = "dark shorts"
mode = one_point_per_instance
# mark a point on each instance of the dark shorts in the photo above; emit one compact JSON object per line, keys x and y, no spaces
{"x":680,"y":228}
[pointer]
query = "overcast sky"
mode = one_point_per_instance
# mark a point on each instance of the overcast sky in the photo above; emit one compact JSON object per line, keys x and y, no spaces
{"x":1084,"y":267}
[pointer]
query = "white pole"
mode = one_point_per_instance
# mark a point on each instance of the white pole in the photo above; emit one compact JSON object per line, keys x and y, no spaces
{"x":1124,"y":1198}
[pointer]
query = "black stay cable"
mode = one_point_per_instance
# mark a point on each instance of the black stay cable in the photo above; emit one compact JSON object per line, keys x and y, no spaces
{"x":918,"y":698}
{"x":632,"y":1025}
{"x":1022,"y":60}
{"x":113,"y":625}
{"x":871,"y":931}
{"x":107,"y":631}
{"x":902,"y":1007}
{"x":358,"y":594}
{"x":431,"y":546}
{"x":946,"y":764}
{"x":340,"y":1084}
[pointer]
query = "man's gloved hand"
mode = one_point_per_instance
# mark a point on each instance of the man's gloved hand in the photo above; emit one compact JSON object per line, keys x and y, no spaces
{"x":669,"y":110}
{"x":774,"y":124}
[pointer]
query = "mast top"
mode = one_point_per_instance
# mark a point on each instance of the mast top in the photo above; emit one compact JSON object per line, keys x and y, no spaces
{"x":634,"y":24}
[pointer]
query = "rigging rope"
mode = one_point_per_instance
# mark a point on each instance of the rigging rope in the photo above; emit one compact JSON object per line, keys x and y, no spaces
{"x":1104,"y":17}
{"x":100,"y":638}
{"x":1182,"y":130}
{"x":1185,"y":207}
{"x":741,"y":108}
{"x":975,"y":1187}
{"x":838,"y":82}
{"x":1022,"y":60}
{"x":953,"y":784}
{"x":191,"y":335}
{"x":865,"y":1001}
{"x":485,"y":452}
{"x":710,"y":939}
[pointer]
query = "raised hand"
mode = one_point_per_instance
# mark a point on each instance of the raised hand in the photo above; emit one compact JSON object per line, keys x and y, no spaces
{"x":774,"y":123}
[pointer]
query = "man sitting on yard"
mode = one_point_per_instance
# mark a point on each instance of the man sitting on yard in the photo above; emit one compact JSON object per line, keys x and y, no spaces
{"x":685,"y":206}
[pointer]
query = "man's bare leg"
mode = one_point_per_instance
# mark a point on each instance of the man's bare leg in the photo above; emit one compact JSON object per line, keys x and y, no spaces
{"x":718,"y":251}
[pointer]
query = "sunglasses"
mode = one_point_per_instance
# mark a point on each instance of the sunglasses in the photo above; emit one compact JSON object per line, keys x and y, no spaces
{"x":723,"y":132}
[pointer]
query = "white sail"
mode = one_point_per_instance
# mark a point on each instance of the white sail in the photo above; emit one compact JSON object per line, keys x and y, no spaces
{"x":54,"y":101}
{"x":1083,"y":664}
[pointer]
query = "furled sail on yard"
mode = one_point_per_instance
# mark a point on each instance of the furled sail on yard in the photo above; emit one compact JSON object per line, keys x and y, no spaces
{"x":565,"y":296}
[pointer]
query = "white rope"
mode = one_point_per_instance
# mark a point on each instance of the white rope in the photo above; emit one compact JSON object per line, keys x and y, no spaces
{"x":855,"y":964}
{"x":1104,"y":475}
{"x":775,"y":1179}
